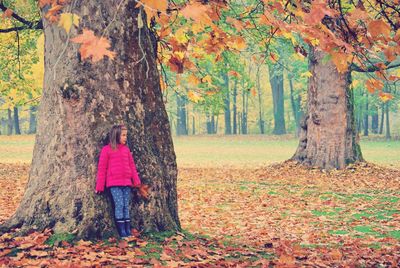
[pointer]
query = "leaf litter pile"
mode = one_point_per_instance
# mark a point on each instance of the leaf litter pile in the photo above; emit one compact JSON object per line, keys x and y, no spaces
{"x":279,"y":215}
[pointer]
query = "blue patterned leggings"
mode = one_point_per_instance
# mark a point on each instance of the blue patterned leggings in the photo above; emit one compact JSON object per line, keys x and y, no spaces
{"x":122,"y":197}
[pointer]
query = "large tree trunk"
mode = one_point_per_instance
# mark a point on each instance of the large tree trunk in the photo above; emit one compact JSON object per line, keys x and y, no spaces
{"x":81,"y":101}
{"x":32,"y":120}
{"x":10,"y":122}
{"x":181,"y":126}
{"x":276,"y":82}
{"x":16,"y":121}
{"x":227,"y":107}
{"x":328,"y":137}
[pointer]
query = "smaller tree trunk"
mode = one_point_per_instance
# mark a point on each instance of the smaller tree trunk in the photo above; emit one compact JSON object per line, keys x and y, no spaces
{"x":240,"y":122}
{"x":16,"y":121}
{"x":227,"y":107}
{"x":193,"y":125}
{"x":10,"y":122}
{"x":216,"y":125}
{"x":211,"y":126}
{"x":382,"y":118}
{"x":260,"y":104}
{"x":181,"y":127}
{"x":276,"y":82}
{"x":366,"y":117}
{"x":375,"y":120}
{"x":388,"y":136}
{"x":245,"y":102}
{"x":4,"y":125}
{"x":235,"y":127}
{"x":296,"y":106}
{"x":32,"y":119}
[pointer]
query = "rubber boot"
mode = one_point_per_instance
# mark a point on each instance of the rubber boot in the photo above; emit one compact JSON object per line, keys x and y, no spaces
{"x":128,"y":227}
{"x":121,"y":228}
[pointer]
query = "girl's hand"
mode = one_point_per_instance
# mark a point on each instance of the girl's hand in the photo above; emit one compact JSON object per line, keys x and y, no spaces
{"x":97,"y":192}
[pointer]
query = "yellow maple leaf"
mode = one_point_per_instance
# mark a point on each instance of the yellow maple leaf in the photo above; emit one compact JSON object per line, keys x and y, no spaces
{"x":67,"y":20}
{"x":194,"y":96}
{"x":307,"y":74}
{"x":237,"y":43}
{"x":194,"y":80}
{"x":314,"y":41}
{"x":197,"y":28}
{"x":385,"y":97}
{"x":355,"y":83}
{"x":179,"y":54}
{"x":180,"y":36}
{"x":207,"y":79}
{"x":289,"y":35}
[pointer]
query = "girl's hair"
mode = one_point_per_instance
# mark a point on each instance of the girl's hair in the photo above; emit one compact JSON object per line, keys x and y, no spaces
{"x":115,"y":135}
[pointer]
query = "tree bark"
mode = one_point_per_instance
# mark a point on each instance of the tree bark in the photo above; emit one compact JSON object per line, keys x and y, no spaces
{"x":328,"y":137}
{"x":276,"y":82}
{"x":32,"y":119}
{"x":16,"y":121}
{"x":81,"y":101}
{"x":10,"y":122}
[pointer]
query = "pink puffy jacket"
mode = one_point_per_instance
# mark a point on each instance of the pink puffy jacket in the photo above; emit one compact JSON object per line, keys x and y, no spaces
{"x":116,"y":168}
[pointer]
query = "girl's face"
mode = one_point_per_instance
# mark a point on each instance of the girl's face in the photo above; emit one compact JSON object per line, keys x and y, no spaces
{"x":124,"y":134}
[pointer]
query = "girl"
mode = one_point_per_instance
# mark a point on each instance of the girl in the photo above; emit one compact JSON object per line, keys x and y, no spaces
{"x":116,"y":171}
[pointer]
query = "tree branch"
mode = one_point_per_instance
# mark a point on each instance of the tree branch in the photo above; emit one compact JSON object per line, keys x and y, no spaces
{"x":370,"y":69}
{"x":27,"y":24}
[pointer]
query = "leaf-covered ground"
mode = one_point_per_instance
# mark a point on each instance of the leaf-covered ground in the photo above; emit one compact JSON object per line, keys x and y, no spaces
{"x":279,"y":215}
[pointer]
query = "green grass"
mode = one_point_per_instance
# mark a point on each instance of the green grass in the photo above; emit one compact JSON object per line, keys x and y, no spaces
{"x":256,"y":150}
{"x":16,"y":149}
{"x":59,"y":237}
{"x":251,"y":150}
